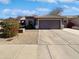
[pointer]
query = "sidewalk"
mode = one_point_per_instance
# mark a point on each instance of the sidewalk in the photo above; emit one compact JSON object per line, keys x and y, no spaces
{"x":18,"y":51}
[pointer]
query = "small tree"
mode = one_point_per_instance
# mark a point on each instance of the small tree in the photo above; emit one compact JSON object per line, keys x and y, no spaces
{"x":10,"y":27}
{"x":56,"y":12}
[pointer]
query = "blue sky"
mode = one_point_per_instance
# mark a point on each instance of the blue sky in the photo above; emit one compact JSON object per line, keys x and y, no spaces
{"x":13,"y":8}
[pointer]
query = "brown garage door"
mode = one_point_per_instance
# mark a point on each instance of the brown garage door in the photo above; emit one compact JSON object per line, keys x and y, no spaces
{"x":49,"y":24}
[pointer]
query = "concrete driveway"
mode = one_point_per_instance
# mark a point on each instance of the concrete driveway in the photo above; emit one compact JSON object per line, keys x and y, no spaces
{"x":50,"y":44}
{"x":58,"y":51}
{"x":58,"y":44}
{"x":58,"y":36}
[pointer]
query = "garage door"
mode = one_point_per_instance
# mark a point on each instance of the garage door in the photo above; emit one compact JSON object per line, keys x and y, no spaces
{"x":49,"y":24}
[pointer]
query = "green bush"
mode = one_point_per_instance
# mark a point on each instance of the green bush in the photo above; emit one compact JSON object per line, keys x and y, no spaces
{"x":10,"y":28}
{"x":30,"y":25}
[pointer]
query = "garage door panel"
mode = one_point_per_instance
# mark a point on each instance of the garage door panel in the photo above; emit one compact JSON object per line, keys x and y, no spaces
{"x":49,"y":24}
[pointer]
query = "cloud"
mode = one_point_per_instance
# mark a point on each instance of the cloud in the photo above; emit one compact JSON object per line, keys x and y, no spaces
{"x":54,"y":1}
{"x":46,"y":1}
{"x":24,"y":12}
{"x":67,"y":0}
{"x":16,"y":12}
{"x":42,"y":9}
{"x":70,"y":10}
{"x":4,"y":1}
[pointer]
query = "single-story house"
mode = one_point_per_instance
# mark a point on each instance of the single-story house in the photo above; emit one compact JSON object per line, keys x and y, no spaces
{"x":49,"y":22}
{"x":44,"y":22}
{"x":74,"y":19}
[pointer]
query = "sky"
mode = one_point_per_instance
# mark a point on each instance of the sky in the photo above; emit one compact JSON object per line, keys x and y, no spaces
{"x":14,"y":8}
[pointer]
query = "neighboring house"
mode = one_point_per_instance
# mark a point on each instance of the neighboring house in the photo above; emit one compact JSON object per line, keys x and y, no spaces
{"x":73,"y":19}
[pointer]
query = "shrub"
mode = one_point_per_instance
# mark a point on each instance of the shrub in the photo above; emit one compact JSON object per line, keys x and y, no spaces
{"x":10,"y":27}
{"x":30,"y":25}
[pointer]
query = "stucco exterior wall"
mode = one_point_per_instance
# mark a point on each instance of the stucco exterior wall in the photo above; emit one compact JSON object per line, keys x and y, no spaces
{"x":76,"y":21}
